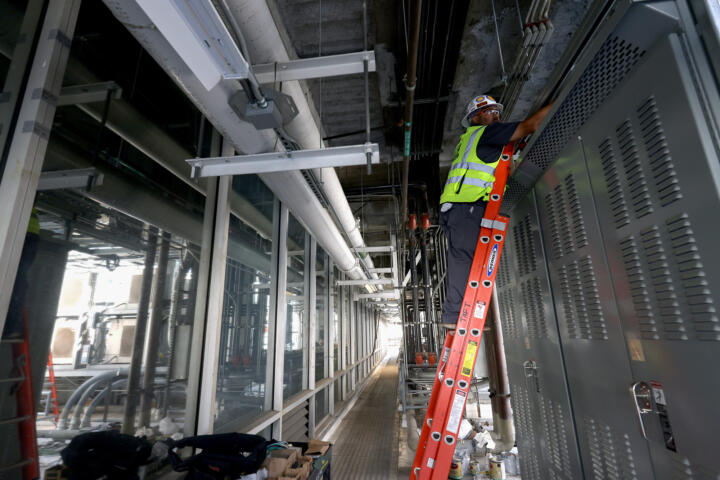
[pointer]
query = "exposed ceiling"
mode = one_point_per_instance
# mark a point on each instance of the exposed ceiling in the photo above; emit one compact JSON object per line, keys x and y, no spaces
{"x":458,"y":58}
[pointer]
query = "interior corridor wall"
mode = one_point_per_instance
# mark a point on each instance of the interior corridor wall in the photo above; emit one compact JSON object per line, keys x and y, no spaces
{"x":611,"y":275}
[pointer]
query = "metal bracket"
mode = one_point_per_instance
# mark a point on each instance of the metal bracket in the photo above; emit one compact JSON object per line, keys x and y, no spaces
{"x":316,"y":67}
{"x":77,"y":178}
{"x":282,"y":161}
{"x":88,"y":93}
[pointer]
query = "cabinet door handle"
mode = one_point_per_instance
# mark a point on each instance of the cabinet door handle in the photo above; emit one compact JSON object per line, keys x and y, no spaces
{"x":642,"y":400}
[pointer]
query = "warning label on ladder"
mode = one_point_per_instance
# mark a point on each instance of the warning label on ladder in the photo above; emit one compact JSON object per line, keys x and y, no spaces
{"x":456,"y":411}
{"x":469,"y":362}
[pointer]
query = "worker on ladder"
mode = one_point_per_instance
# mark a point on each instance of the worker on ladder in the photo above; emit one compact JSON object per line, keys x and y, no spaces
{"x":468,"y":187}
{"x":14,"y":324}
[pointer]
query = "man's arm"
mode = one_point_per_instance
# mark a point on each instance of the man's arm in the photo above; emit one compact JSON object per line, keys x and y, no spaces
{"x":531,"y":124}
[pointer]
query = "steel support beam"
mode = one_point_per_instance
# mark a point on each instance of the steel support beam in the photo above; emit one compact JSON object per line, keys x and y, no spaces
{"x":215,"y":296}
{"x":278,"y":309}
{"x":283,"y":161}
{"x":76,"y":178}
{"x":316,"y":67}
{"x":89,"y":93}
{"x":26,"y":151}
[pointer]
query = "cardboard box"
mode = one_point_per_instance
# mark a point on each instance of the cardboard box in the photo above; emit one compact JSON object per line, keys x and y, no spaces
{"x":275,"y":466}
{"x":317,"y":447}
{"x":297,"y":472}
{"x":289,"y":454}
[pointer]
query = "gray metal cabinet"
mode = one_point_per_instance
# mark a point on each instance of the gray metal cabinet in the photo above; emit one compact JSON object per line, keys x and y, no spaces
{"x":596,"y":361}
{"x":656,"y":178}
{"x":543,"y":415}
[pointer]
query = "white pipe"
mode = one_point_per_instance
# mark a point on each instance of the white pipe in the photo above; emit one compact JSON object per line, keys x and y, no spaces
{"x":265,"y":44}
{"x":290,"y":187}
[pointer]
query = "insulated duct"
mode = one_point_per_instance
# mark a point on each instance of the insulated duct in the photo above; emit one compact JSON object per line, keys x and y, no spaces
{"x":290,"y":187}
{"x":264,"y":39}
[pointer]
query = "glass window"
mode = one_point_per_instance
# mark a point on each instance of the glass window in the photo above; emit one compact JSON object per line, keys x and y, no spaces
{"x":91,"y":284}
{"x":242,"y":363}
{"x":321,"y":307}
{"x":295,"y":376}
{"x":321,"y":406}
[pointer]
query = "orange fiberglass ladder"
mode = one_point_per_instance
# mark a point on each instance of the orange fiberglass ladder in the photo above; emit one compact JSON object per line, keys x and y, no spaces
{"x":454,"y":373}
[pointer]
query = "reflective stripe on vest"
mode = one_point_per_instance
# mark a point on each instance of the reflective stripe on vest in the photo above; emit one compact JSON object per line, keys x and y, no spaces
{"x":470,"y":179}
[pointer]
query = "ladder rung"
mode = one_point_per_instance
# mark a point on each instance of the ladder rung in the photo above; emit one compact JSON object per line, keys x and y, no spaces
{"x":13,"y":466}
{"x":12,"y":340}
{"x":14,"y":420}
{"x":12,"y":379}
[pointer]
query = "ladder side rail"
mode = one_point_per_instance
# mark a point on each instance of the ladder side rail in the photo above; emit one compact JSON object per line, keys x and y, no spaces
{"x":433,"y":400}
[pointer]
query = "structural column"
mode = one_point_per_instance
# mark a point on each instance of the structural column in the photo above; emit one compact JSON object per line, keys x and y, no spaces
{"x":26,"y":151}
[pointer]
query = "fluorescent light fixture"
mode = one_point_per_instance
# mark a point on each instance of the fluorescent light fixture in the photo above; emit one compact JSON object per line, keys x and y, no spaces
{"x":198,"y":35}
{"x":283,"y":161}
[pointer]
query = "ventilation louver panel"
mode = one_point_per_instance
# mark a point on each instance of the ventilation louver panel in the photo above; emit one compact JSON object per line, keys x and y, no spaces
{"x":522,"y":414}
{"x":634,"y":176}
{"x":532,"y":296}
{"x":611,"y":64}
{"x":660,"y":161}
{"x":581,"y":301}
{"x":639,"y":288}
{"x":616,"y":195}
{"x":611,"y":454}
{"x":524,"y":246}
{"x":553,"y":422}
{"x":697,"y":294}
{"x":507,"y":311}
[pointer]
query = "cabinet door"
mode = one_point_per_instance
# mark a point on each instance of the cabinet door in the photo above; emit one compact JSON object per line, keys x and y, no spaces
{"x":592,"y":338}
{"x":546,"y":435}
{"x":656,"y":176}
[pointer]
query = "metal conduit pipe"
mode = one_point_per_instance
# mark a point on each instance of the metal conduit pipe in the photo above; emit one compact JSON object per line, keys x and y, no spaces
{"x":290,"y":187}
{"x":153,"y":336}
{"x":128,"y":422}
{"x":87,"y":416}
{"x":410,"y":99}
{"x":429,"y":305}
{"x":499,"y":383}
{"x":178,"y":281}
{"x":75,"y":396}
{"x":80,"y":405}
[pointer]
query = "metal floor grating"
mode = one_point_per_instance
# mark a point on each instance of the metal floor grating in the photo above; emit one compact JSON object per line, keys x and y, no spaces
{"x":365,"y":443}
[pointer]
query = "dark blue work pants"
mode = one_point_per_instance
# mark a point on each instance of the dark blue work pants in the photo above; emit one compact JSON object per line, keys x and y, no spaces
{"x":461,"y":225}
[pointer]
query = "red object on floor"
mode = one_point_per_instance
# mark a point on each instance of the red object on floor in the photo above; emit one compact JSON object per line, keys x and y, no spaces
{"x":419,"y":359}
{"x":425,"y":221}
{"x":432,"y":358}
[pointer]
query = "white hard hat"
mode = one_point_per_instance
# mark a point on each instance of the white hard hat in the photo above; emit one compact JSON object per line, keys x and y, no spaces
{"x":478,"y":103}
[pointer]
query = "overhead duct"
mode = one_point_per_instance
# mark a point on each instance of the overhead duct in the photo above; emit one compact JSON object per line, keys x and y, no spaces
{"x":264,"y":41}
{"x":290,"y":187}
